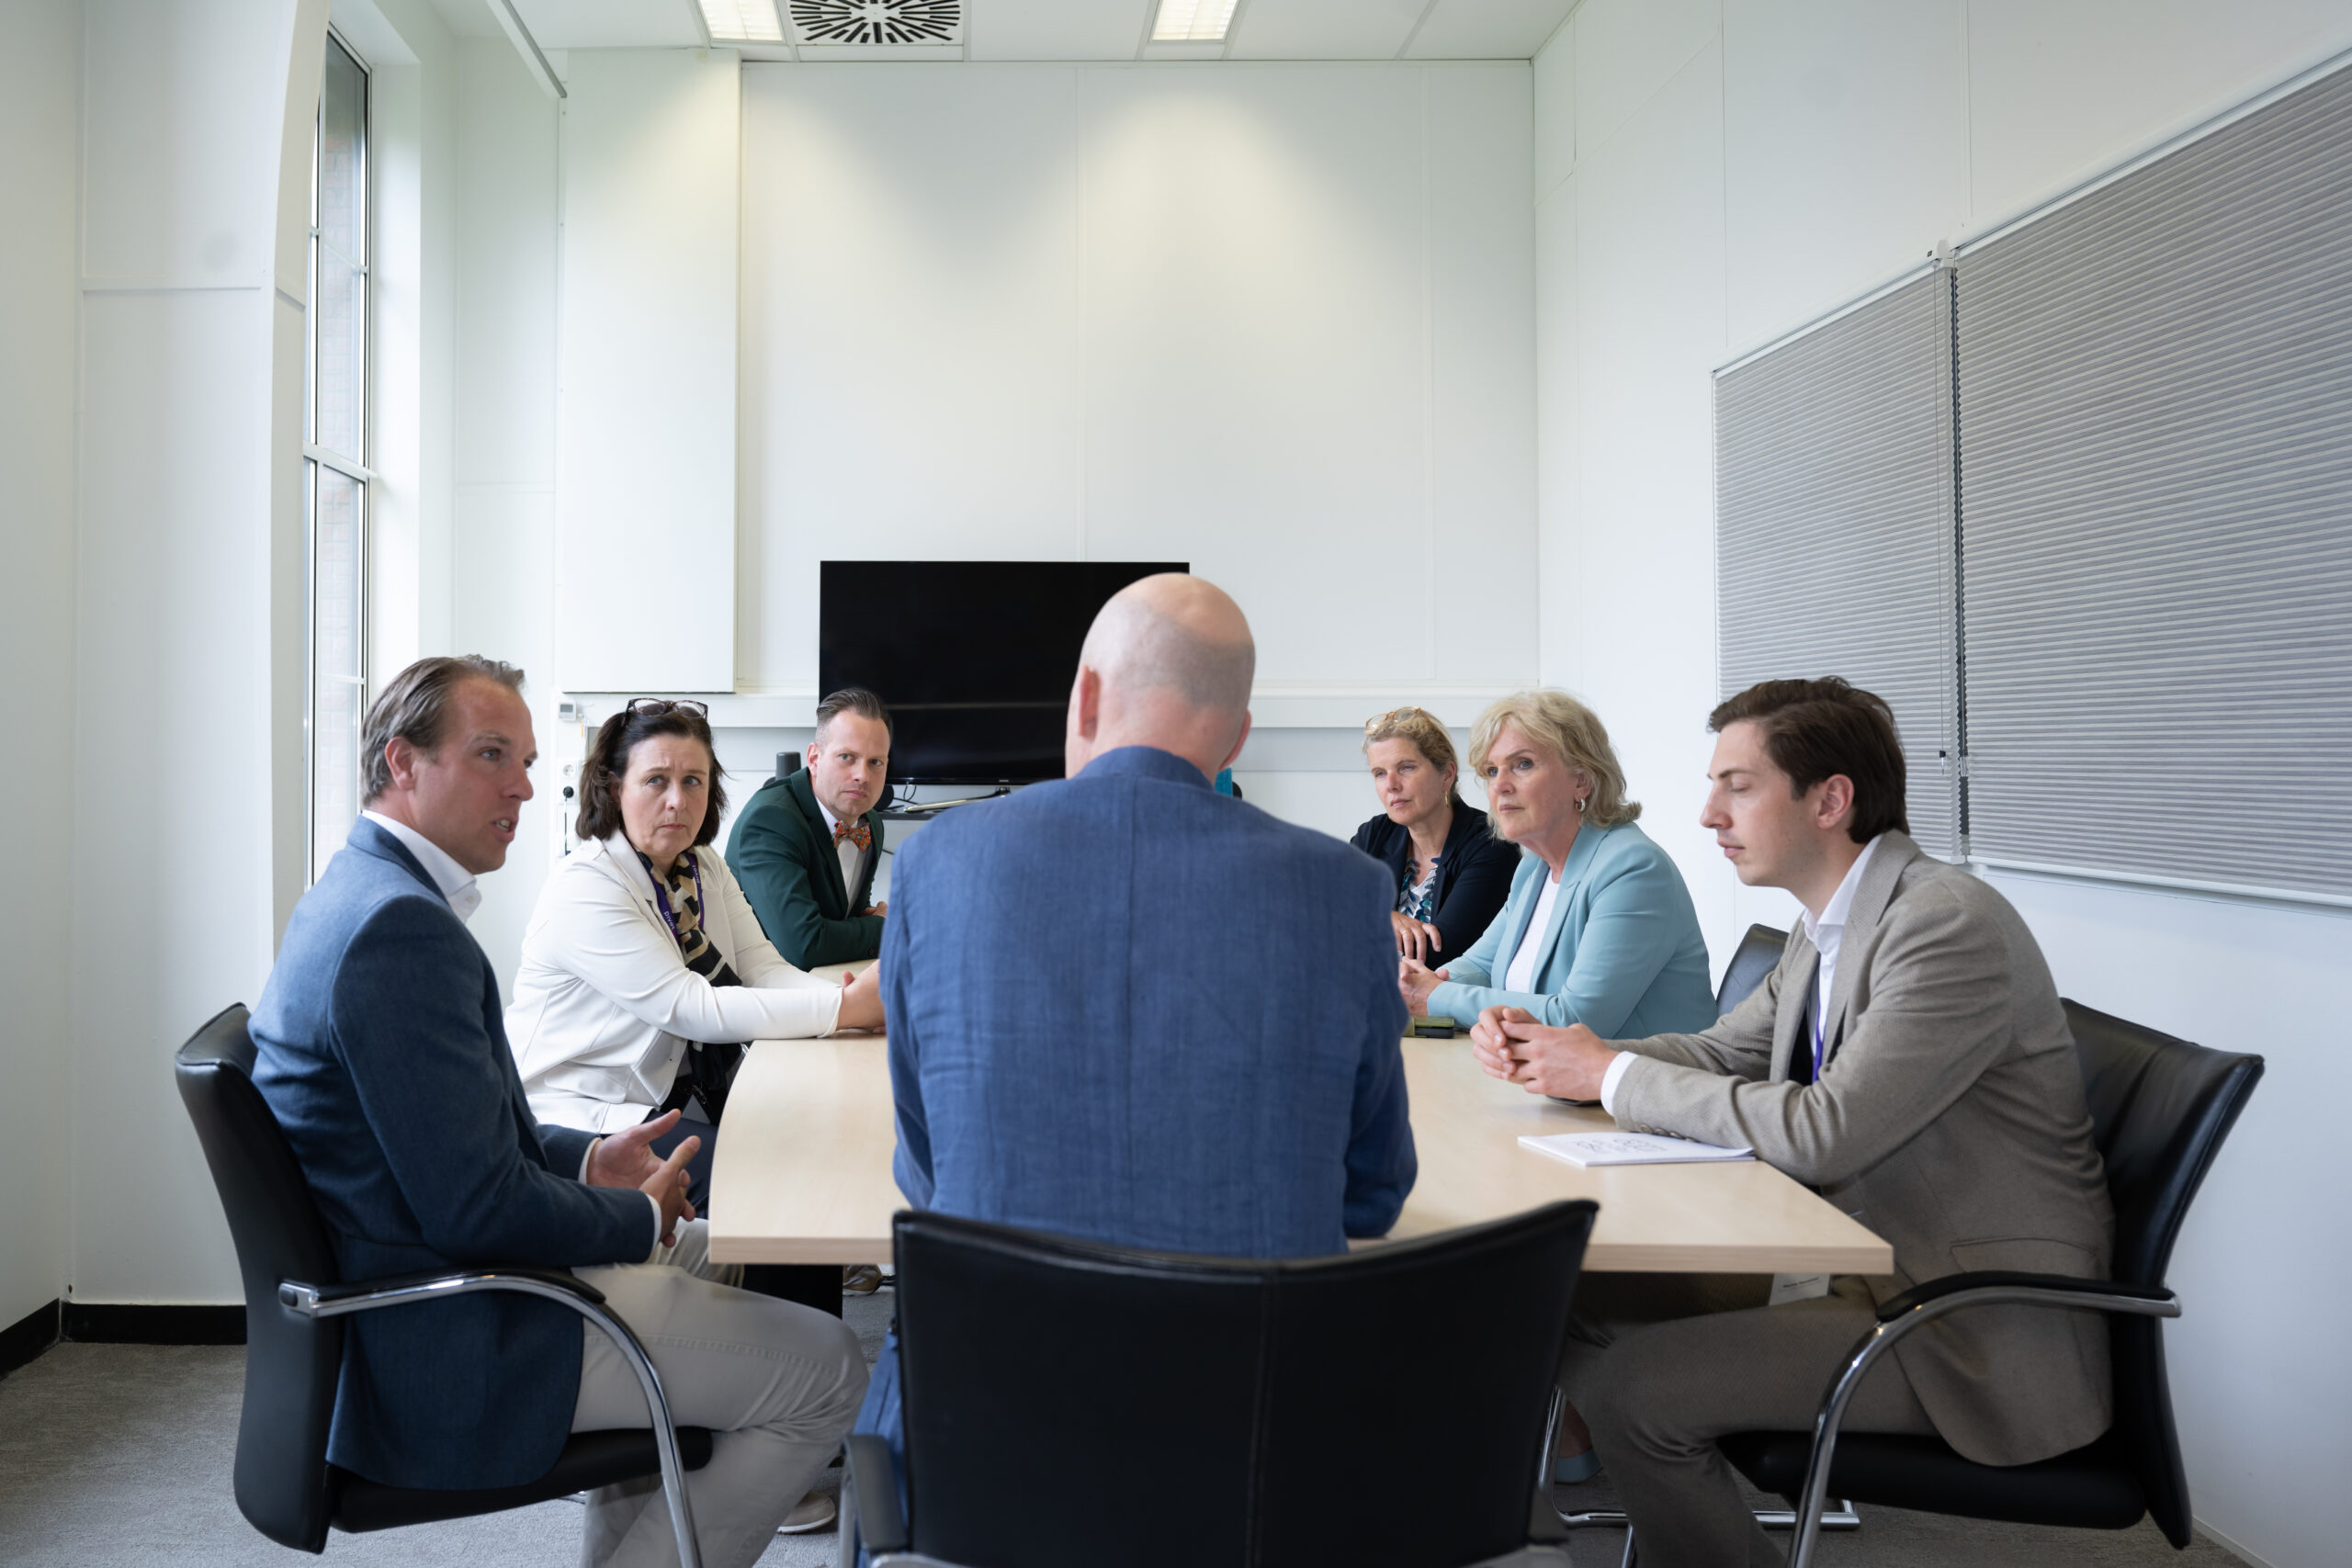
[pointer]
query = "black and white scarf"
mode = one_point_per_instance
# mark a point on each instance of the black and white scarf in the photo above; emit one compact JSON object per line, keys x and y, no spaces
{"x":708,"y":1070}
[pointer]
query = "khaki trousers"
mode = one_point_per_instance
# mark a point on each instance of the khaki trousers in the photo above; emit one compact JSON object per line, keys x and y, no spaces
{"x":1661,"y":1365}
{"x":778,"y":1383}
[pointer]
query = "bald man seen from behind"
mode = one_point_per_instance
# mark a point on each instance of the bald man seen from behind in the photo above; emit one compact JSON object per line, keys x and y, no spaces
{"x":1127,"y":1007}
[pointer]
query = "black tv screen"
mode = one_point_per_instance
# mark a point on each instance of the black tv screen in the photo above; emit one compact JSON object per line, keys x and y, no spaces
{"x":974,"y":658}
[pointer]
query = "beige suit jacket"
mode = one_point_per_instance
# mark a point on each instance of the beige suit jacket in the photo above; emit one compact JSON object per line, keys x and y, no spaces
{"x":1949,"y":1119}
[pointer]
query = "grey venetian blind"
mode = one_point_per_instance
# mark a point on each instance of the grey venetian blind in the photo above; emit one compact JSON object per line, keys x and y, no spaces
{"x":1834,"y":526}
{"x":2155,"y":417}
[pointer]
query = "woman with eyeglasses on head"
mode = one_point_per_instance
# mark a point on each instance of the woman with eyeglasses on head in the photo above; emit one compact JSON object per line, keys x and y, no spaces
{"x":644,"y":972}
{"x":1598,"y":929}
{"x":1452,"y":873}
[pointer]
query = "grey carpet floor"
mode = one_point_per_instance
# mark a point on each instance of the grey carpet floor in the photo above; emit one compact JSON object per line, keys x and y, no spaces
{"x":117,"y":1455}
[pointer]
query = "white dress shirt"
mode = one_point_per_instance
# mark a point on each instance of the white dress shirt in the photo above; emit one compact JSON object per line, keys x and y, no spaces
{"x":1519,"y":976}
{"x":464,"y":893}
{"x":456,"y":883}
{"x":1826,"y":934}
{"x":853,"y":857}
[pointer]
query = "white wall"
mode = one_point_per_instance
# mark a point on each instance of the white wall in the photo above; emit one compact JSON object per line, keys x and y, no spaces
{"x":41,"y":69}
{"x":645,"y":430}
{"x":1271,"y":320}
{"x":500,"y":589}
{"x":183,"y":645}
{"x":1712,"y":172}
{"x":1293,"y":348}
{"x":187,"y":805}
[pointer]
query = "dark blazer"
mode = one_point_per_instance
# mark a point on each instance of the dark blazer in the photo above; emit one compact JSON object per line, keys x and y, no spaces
{"x":1474,"y":872}
{"x":382,"y":1053}
{"x":1127,"y":1008}
{"x":783,"y":856}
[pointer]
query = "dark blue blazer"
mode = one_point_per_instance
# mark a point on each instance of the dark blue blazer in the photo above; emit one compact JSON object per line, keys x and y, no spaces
{"x":1127,"y":1008}
{"x":381,"y":1050}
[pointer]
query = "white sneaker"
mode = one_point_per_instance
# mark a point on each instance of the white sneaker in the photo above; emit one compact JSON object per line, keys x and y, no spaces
{"x":814,"y":1512}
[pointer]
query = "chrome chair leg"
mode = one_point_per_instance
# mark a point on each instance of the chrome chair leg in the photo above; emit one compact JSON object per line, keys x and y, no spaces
{"x":1559,"y":1403}
{"x":332,"y":1300}
{"x":1881,"y":1339}
{"x":1837,"y":1514}
{"x":1841,"y":1516}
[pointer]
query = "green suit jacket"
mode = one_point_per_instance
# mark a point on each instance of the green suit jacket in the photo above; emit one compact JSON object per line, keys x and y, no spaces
{"x":783,"y":855}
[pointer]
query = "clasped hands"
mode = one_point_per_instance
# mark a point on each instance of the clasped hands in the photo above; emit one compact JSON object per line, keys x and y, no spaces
{"x":627,"y":1159}
{"x":1566,"y":1064}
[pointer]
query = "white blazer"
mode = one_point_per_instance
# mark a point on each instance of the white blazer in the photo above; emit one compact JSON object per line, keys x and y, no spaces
{"x":604,"y":1004}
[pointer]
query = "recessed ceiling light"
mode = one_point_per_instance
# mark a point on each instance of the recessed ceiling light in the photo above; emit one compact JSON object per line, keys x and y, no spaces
{"x":1188,"y":21}
{"x":742,"y":21}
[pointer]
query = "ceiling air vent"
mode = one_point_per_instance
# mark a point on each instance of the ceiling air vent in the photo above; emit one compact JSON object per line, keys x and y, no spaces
{"x":870,"y":22}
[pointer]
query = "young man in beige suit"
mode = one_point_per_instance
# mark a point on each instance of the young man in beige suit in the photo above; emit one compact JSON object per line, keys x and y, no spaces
{"x":1909,"y":1060}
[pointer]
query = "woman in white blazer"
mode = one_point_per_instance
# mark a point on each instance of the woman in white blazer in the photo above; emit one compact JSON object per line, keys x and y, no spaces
{"x":644,"y":971}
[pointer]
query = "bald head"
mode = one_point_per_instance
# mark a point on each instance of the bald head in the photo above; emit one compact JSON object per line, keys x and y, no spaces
{"x":1167,"y":664}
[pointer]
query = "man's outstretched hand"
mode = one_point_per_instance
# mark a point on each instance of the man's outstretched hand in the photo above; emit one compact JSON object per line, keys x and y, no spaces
{"x":627,"y":1159}
{"x":860,"y":999}
{"x":1416,"y":980}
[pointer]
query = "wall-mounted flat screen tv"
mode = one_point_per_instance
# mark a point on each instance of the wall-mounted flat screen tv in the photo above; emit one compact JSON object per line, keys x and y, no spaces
{"x":975,"y":659}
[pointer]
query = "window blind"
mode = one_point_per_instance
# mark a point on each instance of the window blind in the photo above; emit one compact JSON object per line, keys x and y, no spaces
{"x":2155,"y":431}
{"x":1834,"y":526}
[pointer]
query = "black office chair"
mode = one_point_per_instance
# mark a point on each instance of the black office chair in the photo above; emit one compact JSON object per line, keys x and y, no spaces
{"x":2160,"y":1108}
{"x":284,"y":1486}
{"x":1758,"y":951}
{"x":1386,"y":1409}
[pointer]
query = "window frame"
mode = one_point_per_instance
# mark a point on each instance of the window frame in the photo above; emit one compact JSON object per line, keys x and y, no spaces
{"x":318,"y":459}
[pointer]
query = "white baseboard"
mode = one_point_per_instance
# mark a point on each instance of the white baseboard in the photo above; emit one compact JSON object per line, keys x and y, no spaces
{"x":2245,"y":1554}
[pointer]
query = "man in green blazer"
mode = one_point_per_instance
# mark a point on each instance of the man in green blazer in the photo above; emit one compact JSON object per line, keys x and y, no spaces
{"x":805,"y":847}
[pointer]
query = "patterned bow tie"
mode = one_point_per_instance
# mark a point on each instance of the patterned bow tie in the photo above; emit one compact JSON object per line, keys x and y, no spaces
{"x":856,"y":831}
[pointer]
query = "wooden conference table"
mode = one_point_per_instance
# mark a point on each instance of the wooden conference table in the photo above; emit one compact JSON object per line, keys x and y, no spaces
{"x":803,"y":1174}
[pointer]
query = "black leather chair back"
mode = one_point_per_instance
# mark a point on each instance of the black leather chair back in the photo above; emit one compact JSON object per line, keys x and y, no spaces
{"x":2160,"y":1108}
{"x":1378,"y":1408}
{"x":1759,"y":950}
{"x":291,"y":1362}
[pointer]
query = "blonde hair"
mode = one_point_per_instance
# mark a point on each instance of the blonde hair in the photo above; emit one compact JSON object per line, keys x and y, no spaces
{"x":1419,"y":728}
{"x":1559,"y":724}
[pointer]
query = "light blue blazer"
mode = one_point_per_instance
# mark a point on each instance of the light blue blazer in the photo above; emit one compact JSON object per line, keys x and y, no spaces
{"x":1624,"y":955}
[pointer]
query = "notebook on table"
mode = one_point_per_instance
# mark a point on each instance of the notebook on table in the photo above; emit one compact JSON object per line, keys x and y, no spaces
{"x":1630,"y":1148}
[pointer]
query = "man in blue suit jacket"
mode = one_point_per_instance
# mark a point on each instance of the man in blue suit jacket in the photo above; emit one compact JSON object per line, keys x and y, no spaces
{"x":382,"y":1051}
{"x":1125,"y":1007}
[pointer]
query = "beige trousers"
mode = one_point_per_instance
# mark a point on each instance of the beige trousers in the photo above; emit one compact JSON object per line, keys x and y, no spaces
{"x":778,"y":1384}
{"x":1661,"y":1365}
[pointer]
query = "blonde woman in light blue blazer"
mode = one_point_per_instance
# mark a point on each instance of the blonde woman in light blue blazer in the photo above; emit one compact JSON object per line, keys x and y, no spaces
{"x":1598,"y":929}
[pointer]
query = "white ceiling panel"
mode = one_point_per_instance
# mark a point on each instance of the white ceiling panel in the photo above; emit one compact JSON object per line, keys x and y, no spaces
{"x":1323,"y":30}
{"x":1487,"y":30}
{"x":1097,"y":29}
{"x":1055,"y":30}
{"x":609,"y":24}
